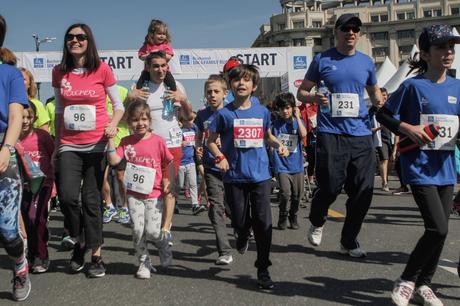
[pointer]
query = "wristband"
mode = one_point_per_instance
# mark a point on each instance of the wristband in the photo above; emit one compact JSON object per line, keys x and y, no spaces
{"x":219,"y":159}
{"x":111,"y":151}
{"x":10,"y":148}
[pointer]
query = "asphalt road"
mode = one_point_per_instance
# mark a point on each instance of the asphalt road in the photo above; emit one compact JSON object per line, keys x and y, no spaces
{"x":303,"y":274}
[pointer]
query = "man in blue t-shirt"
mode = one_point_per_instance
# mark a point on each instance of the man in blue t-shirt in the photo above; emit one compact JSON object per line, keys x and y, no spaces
{"x":345,"y":155}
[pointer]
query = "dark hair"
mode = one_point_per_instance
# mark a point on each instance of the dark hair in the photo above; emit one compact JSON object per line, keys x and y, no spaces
{"x":383,"y":89}
{"x":33,"y":108}
{"x":8,"y":57}
{"x":284,"y":99}
{"x":154,"y":26}
{"x":416,"y":62}
{"x":156,"y":54}
{"x":244,"y":70}
{"x":92,"y":60}
{"x":2,"y":30}
{"x":136,"y":109}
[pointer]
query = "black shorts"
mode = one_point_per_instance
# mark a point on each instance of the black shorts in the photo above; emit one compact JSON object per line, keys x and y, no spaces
{"x":384,"y":151}
{"x":121,"y":166}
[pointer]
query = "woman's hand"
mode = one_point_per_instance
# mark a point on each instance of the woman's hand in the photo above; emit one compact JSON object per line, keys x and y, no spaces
{"x":416,"y":133}
{"x":110,"y":130}
{"x":4,"y":159}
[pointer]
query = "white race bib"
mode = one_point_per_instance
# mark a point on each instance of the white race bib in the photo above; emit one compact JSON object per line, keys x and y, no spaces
{"x":345,"y":105}
{"x":447,"y":133}
{"x":189,"y":138}
{"x":289,"y":141}
{"x":248,"y":133}
{"x":175,"y":134}
{"x":139,"y":178}
{"x":80,"y":117}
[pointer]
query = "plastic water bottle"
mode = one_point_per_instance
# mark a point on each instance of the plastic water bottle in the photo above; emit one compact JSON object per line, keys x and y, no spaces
{"x":322,"y":89}
{"x":168,"y":107}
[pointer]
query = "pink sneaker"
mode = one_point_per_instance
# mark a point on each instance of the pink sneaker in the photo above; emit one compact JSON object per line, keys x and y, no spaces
{"x":187,"y":194}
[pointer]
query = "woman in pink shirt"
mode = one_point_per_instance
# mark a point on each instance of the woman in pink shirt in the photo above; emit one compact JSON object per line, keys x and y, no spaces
{"x":81,"y":83}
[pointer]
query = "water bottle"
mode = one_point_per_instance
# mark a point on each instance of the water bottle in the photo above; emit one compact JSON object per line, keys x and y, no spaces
{"x":168,"y":106}
{"x":322,"y":89}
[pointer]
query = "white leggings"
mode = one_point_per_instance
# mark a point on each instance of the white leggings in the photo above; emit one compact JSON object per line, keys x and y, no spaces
{"x":146,"y":218}
{"x":187,"y":177}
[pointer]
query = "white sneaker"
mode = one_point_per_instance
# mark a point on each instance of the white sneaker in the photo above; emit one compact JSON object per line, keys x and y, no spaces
{"x":356,"y":253}
{"x":144,"y":270}
{"x":425,"y":296}
{"x":165,"y":254}
{"x":402,"y":292}
{"x":315,"y":234}
{"x":224,"y":260}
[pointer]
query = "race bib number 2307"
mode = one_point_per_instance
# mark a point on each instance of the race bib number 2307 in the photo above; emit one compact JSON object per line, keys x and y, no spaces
{"x":248,"y":133}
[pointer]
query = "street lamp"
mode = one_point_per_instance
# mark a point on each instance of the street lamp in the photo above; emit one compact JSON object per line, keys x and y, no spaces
{"x":38,"y":42}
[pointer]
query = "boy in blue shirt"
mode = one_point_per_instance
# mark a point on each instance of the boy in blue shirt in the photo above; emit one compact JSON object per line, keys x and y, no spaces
{"x":244,"y":129}
{"x":215,"y":90}
{"x":290,"y":130}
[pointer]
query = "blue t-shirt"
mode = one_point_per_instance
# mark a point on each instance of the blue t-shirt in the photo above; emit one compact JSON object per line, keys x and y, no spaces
{"x":188,"y":151}
{"x":344,"y":74}
{"x":294,"y":162}
{"x":247,"y":165}
{"x":229,"y":98}
{"x":418,"y":96}
{"x":203,"y":118}
{"x":12,"y":90}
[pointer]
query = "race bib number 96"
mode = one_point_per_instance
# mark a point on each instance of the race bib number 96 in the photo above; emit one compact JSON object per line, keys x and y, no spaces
{"x":248,"y":133}
{"x":139,"y":178}
{"x":80,"y":117}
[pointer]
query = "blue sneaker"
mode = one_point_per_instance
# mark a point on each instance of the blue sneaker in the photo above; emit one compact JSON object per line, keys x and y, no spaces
{"x":109,"y":214}
{"x":123,"y":216}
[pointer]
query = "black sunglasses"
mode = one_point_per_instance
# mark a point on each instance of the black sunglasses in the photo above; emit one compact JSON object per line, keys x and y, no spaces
{"x":79,"y":37}
{"x":347,"y":29}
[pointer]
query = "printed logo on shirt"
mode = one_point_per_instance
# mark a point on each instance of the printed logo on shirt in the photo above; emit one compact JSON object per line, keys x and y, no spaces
{"x":300,"y":62}
{"x":452,"y":100}
{"x":66,"y":90}
{"x":131,"y":156}
{"x":424,"y":101}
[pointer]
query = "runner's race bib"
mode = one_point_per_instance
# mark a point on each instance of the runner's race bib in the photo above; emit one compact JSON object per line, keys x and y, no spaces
{"x":80,"y":117}
{"x":248,"y":133}
{"x":189,"y":138}
{"x":175,"y":134}
{"x":344,"y":105}
{"x":447,"y":133}
{"x":139,"y":178}
{"x":289,"y":141}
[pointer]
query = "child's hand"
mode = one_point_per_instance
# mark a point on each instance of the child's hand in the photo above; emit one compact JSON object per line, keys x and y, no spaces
{"x":297,"y":112}
{"x":110,"y":130}
{"x":166,"y":186}
{"x":283,"y":151}
{"x":199,"y":152}
{"x":223,"y":165}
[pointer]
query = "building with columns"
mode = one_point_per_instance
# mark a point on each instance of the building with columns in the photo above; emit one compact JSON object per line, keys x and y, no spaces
{"x":390,"y":27}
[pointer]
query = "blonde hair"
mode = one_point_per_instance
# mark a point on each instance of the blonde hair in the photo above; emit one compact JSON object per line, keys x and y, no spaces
{"x":32,"y":90}
{"x":155,"y":26}
{"x":8,"y":57}
{"x":215,"y":78}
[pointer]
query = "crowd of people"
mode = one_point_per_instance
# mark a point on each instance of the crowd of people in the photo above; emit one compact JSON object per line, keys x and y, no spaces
{"x":104,"y":153}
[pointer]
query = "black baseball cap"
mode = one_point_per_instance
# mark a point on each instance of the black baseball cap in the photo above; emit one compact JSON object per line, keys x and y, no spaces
{"x":437,"y":34}
{"x":348,"y":19}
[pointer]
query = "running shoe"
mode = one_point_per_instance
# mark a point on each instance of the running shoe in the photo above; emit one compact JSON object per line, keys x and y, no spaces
{"x":40,"y":265}
{"x":402,"y":292}
{"x":264,"y":280}
{"x":293,"y":222}
{"x":67,"y":243}
{"x":401,"y":191}
{"x":196,"y":209}
{"x":145,"y":269}
{"x":77,"y":262}
{"x":109,"y":214}
{"x":187,"y":194}
{"x":21,"y":286}
{"x":315,"y":234}
{"x":242,"y":244}
{"x":282,"y":221}
{"x":96,"y":268}
{"x":425,"y":296}
{"x":456,"y":208}
{"x":224,"y":260}
{"x":165,"y":254}
{"x":123,"y":216}
{"x":385,"y":188}
{"x":356,"y":252}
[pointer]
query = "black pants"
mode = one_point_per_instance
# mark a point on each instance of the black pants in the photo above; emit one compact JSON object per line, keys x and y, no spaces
{"x":73,"y":169}
{"x":349,"y":162}
{"x":435,"y":203}
{"x":250,"y":207}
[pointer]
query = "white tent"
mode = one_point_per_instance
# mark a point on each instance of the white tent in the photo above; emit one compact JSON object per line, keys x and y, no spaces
{"x":456,"y":63}
{"x":401,"y":74}
{"x":385,"y":72}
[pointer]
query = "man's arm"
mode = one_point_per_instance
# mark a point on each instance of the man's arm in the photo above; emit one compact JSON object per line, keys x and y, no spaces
{"x":304,"y":94}
{"x":375,"y":95}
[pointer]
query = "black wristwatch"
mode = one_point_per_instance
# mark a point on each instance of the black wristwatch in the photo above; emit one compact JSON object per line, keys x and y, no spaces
{"x":10,"y":148}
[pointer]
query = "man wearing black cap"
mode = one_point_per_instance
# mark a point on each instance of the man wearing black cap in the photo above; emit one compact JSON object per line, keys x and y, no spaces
{"x":345,"y":156}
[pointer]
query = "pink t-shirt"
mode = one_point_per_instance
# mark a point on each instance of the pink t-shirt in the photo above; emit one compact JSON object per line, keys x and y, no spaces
{"x":84,"y":89}
{"x":40,"y":146}
{"x":147,"y":48}
{"x":152,"y":153}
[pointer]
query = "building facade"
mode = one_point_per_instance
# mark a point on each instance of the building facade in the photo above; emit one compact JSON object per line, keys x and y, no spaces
{"x":390,"y":27}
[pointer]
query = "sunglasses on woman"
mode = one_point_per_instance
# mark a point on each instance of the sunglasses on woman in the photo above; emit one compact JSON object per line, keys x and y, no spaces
{"x":347,"y":29}
{"x":79,"y":37}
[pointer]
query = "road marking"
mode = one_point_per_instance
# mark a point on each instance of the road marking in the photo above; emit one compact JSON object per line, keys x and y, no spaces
{"x":448,"y":265}
{"x":335,"y":214}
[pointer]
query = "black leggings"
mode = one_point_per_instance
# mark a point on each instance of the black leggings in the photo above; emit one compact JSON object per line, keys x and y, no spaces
{"x":435,"y":203}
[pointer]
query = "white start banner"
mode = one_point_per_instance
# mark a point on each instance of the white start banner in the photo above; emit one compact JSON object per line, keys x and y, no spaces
{"x":186,"y":63}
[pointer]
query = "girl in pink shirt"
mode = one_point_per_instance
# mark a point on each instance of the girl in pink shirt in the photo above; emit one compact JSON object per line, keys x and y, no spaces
{"x":146,"y":178}
{"x":157,"y":39}
{"x":39,"y":145}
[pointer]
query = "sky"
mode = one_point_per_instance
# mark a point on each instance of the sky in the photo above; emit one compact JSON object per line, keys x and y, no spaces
{"x":122,"y":25}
